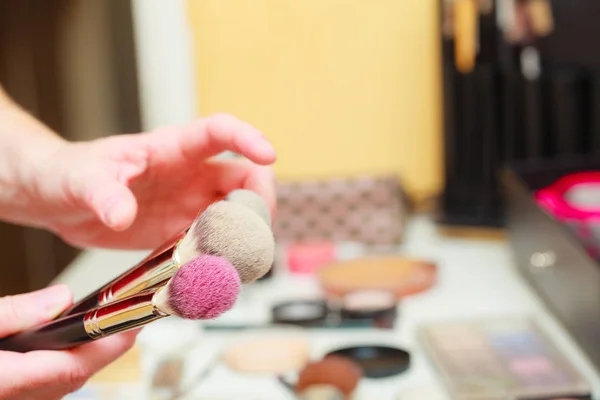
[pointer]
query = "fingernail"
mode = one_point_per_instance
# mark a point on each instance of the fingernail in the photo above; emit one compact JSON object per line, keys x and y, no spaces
{"x":54,"y":299}
{"x":115,"y":219}
{"x":113,"y":216}
{"x":107,"y":217}
{"x":108,"y":212}
{"x":119,"y":211}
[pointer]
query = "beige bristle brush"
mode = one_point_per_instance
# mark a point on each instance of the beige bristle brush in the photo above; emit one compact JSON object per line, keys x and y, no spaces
{"x":234,"y":228}
{"x":251,"y":200}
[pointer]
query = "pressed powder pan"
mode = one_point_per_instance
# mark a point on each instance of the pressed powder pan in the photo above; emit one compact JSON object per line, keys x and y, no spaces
{"x":268,"y":352}
{"x":402,"y":276}
{"x":367,"y":308}
{"x":368,"y":301}
{"x":376,"y":307}
{"x":377,"y":361}
{"x":301,"y":312}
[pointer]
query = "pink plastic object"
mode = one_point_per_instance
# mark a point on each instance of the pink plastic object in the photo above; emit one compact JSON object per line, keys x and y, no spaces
{"x":574,"y":200}
{"x":556,"y":197}
{"x":306,"y":258}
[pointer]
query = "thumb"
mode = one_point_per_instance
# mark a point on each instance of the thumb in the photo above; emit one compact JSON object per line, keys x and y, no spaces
{"x":112,"y":202}
{"x":23,"y":311}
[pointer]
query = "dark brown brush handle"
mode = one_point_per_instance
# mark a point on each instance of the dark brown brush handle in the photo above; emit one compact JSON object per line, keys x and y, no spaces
{"x":83,"y":305}
{"x":60,"y":334}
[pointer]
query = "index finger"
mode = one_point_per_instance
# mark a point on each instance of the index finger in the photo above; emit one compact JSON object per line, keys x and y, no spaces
{"x":213,"y":135}
{"x":231,"y":174}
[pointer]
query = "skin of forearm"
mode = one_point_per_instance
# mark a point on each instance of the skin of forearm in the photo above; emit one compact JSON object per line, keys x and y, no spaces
{"x":25,"y":143}
{"x":5,"y":100}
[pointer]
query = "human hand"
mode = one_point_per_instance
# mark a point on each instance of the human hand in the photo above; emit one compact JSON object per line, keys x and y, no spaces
{"x":136,"y":191}
{"x":49,"y":375}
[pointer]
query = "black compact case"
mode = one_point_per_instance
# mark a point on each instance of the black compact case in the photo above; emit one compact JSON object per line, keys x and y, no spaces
{"x":549,"y":256}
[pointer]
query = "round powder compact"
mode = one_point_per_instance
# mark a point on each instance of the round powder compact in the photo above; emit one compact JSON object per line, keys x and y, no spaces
{"x":379,"y":306}
{"x":377,"y":361}
{"x":270,"y":353}
{"x":401,"y":276}
{"x":368,"y":300}
{"x":334,"y":377}
{"x":307,"y":313}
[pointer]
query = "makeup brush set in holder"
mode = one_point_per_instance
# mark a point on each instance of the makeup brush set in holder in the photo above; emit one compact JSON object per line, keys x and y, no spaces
{"x":195,"y":275}
{"x":520,"y":83}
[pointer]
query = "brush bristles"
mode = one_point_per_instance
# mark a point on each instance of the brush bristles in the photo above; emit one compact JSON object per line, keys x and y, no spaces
{"x":233,"y":231}
{"x":251,"y":200}
{"x":203,"y":288}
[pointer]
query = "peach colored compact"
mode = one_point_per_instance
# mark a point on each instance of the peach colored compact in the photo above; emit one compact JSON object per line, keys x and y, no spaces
{"x":268,"y":353}
{"x":401,"y":276}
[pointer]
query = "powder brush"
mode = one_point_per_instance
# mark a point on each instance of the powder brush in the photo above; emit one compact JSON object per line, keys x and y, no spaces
{"x":203,"y":288}
{"x":237,"y":228}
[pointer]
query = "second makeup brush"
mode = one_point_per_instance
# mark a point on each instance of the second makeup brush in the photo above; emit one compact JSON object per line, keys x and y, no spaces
{"x":204,"y":288}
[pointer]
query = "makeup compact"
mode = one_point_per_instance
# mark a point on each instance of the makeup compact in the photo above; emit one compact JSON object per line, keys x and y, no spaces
{"x":401,"y":276}
{"x":376,"y":361}
{"x":332,"y":378}
{"x":370,"y":308}
{"x":501,"y":359}
{"x":373,"y":307}
{"x":307,"y":313}
{"x":268,"y":352}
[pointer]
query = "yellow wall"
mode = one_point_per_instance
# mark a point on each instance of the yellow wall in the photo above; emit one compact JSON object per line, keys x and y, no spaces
{"x":340,"y":87}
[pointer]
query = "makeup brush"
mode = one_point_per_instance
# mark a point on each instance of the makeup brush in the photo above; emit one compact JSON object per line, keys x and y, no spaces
{"x":251,"y":200}
{"x":203,"y":288}
{"x":332,"y":378}
{"x":232,"y":229}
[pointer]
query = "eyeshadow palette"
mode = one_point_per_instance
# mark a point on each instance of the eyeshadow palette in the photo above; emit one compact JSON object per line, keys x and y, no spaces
{"x":501,"y":360}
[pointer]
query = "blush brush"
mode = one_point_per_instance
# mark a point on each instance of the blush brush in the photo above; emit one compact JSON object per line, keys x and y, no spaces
{"x":203,"y":288}
{"x":236,"y":228}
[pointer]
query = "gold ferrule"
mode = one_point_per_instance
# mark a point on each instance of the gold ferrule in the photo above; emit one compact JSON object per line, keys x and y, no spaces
{"x":155,"y":269}
{"x":123,"y":315}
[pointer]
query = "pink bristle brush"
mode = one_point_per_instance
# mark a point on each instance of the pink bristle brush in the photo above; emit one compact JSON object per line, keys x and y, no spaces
{"x":203,"y":288}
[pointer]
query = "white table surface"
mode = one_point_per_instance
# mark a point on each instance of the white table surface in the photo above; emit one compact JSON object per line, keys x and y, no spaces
{"x":476,"y":279}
